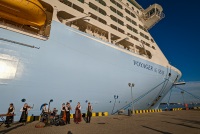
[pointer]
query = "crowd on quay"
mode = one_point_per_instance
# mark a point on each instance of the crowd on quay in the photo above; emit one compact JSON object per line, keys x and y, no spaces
{"x":64,"y":114}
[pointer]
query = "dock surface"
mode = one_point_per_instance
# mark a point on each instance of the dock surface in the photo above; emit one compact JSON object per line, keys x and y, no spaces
{"x":176,"y":122}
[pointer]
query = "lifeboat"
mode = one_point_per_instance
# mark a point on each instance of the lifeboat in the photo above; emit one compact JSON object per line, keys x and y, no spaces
{"x":26,"y":12}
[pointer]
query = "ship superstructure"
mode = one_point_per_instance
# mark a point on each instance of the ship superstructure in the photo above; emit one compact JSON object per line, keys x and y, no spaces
{"x":55,"y":43}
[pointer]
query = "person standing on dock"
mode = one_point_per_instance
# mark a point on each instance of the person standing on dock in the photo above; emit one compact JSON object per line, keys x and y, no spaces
{"x":89,"y":112}
{"x":63,"y":112}
{"x":68,"y":108}
{"x":11,"y":110}
{"x":24,"y":114}
{"x":78,"y":115}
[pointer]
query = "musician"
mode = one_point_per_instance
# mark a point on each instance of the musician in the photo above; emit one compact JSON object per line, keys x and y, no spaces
{"x":11,"y":110}
{"x":63,"y":112}
{"x":24,"y":114}
{"x":44,"y":114}
{"x":89,"y":112}
{"x":44,"y":109}
{"x":68,"y":108}
{"x":78,"y":115}
{"x":54,"y":112}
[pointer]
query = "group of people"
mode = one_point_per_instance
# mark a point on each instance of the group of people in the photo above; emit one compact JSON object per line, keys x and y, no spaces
{"x":65,"y":113}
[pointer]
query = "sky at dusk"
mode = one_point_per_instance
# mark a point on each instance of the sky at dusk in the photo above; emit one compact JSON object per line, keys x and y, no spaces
{"x":178,"y":35}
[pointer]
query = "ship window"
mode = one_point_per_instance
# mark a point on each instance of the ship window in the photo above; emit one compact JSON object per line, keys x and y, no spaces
{"x":113,"y":9}
{"x":128,"y":19}
{"x":148,"y":44}
{"x":153,"y":47}
{"x":132,"y":36}
{"x":68,"y":3}
{"x":131,"y":28}
{"x":82,"y":1}
{"x":113,"y":26}
{"x":101,"y":2}
{"x":119,"y":13}
{"x":120,"y":30}
{"x":91,"y":5}
{"x":149,"y":54}
{"x":116,"y":11}
{"x":141,"y":27}
{"x":78,"y":8}
{"x":133,"y":15}
{"x":102,"y":21}
{"x":134,"y":30}
{"x":132,"y":21}
{"x":116,"y":3}
{"x":130,"y":13}
{"x":127,"y":11}
{"x":102,"y":11}
{"x":98,"y":18}
{"x":117,"y":20}
{"x":144,"y":36}
{"x":152,"y":40}
{"x":117,"y":28}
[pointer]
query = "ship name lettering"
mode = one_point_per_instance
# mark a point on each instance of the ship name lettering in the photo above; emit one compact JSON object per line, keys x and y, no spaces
{"x":143,"y":65}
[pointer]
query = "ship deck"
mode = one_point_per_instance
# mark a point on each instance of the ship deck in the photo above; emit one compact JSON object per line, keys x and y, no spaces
{"x":164,"y":122}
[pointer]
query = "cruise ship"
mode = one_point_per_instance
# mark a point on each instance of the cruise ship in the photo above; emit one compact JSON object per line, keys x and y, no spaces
{"x":97,"y":51}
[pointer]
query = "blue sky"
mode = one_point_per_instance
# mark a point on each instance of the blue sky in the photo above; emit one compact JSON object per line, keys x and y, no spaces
{"x":178,"y":35}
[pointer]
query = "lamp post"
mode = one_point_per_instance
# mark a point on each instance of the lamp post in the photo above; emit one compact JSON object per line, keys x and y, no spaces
{"x":131,"y":85}
{"x":115,"y":97}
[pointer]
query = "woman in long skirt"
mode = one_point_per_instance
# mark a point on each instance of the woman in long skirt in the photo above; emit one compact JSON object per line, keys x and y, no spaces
{"x":63,"y":112}
{"x":24,"y":114}
{"x":78,"y":115}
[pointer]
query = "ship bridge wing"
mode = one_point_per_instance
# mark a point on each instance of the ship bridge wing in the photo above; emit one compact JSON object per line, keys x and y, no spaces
{"x":152,"y":15}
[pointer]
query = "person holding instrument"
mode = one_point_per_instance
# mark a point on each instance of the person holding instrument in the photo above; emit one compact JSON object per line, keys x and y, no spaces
{"x":11,"y":110}
{"x":24,"y":114}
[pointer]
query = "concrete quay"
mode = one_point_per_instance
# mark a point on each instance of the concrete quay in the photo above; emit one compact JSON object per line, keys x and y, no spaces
{"x":169,"y":122}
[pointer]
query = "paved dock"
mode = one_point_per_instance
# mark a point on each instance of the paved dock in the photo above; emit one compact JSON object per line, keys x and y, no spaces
{"x":170,"y":122}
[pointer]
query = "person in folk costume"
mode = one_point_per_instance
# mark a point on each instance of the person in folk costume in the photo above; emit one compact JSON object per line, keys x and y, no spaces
{"x":68,"y":108}
{"x":89,"y":112}
{"x":63,"y":112}
{"x":54,"y":112}
{"x":11,"y":110}
{"x":78,"y":115}
{"x":44,"y":113}
{"x":24,"y":114}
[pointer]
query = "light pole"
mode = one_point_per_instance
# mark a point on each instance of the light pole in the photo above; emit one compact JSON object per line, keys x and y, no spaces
{"x":115,"y":97}
{"x":131,"y":85}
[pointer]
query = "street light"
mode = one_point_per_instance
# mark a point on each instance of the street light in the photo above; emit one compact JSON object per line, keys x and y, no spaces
{"x":131,"y":85}
{"x":115,"y":97}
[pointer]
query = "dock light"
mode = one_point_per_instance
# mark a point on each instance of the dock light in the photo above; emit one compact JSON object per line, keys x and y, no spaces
{"x":115,"y":97}
{"x":131,"y":85}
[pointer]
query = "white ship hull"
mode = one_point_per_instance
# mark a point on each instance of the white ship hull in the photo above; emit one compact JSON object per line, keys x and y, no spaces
{"x":73,"y":65}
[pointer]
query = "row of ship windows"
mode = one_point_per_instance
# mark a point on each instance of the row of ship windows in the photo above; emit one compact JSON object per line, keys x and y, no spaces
{"x":102,"y":2}
{"x":93,"y":6}
{"x":96,"y":8}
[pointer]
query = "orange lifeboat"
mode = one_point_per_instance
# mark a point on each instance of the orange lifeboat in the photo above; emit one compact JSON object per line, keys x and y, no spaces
{"x":26,"y":12}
